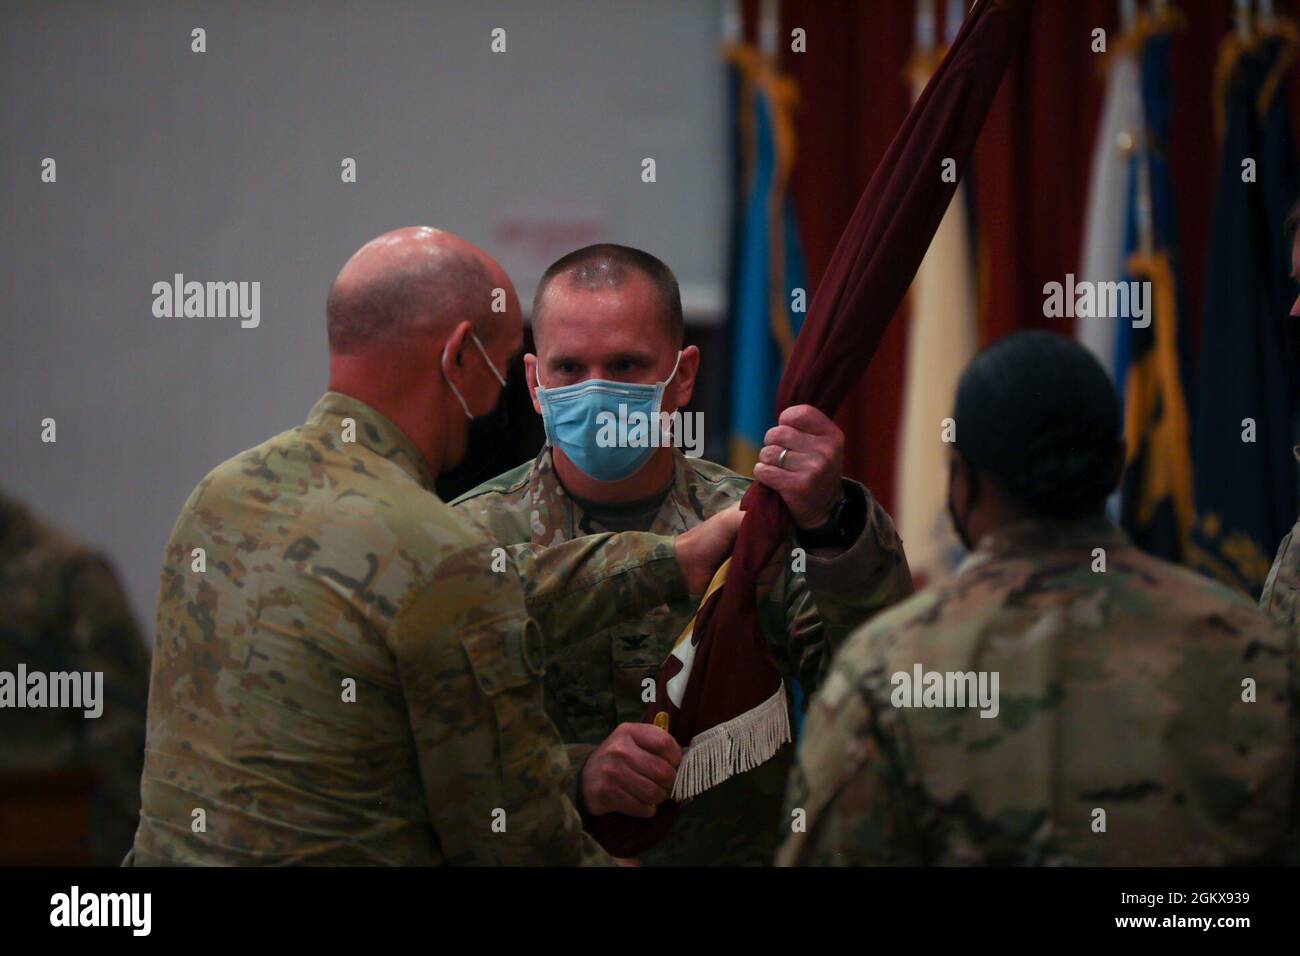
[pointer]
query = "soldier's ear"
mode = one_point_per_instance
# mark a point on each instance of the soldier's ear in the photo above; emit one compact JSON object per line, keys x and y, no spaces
{"x":683,"y":383}
{"x":530,"y":376}
{"x":456,"y":342}
{"x":962,"y":482}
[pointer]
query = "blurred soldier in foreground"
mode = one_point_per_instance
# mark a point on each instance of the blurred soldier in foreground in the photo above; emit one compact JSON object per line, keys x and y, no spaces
{"x":607,"y":321}
{"x":345,"y":671}
{"x":62,"y":610}
{"x":1282,"y":587}
{"x":1065,"y":698}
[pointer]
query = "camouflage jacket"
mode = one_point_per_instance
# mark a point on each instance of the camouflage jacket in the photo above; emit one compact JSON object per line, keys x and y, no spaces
{"x":63,"y":610}
{"x":1145,"y":715}
{"x":594,"y":678}
{"x":1281,"y":588}
{"x":350,"y":675}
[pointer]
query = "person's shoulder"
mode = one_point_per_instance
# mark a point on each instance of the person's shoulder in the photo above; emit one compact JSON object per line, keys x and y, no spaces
{"x":508,"y":484}
{"x":925,"y":615}
{"x":712,"y":473}
{"x":1177,"y":593}
{"x":500,"y":505}
{"x":54,"y":561}
{"x":714,"y":486}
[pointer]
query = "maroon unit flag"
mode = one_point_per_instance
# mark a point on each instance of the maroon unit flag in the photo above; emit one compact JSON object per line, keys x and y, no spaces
{"x":720,"y":691}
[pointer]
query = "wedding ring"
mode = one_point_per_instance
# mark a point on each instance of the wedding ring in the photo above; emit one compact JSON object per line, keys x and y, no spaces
{"x":780,"y":462}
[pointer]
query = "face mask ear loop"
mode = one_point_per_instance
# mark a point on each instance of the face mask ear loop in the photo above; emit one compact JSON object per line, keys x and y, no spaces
{"x":452,"y":385}
{"x":674,"y":372}
{"x":490,"y":363}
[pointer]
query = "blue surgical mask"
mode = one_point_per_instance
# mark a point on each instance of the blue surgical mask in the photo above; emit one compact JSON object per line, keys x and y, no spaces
{"x":578,"y":416}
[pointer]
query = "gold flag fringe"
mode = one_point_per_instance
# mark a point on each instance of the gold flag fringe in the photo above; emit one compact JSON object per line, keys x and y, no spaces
{"x":733,"y":747}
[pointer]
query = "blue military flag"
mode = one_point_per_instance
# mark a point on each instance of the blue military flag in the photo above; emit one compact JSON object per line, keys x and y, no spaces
{"x":1245,"y":475}
{"x":1156,"y":500}
{"x":770,"y":292}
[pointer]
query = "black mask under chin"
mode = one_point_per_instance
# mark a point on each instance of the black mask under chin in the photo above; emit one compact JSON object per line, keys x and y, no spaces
{"x":483,"y":447}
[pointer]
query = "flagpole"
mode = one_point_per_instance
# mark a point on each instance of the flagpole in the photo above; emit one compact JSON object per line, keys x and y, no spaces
{"x":1267,"y":14}
{"x":732,"y":28}
{"x":769,"y":25}
{"x":1242,"y":20}
{"x":925,"y":27}
{"x":1127,"y":15}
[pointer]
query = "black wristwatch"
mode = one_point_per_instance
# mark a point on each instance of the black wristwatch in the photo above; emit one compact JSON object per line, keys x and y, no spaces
{"x":848,"y":518}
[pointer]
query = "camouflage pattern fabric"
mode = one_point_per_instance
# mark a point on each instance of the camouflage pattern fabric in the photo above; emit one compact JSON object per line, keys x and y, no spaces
{"x":61,"y":610}
{"x":1121,"y":691}
{"x":594,"y":679}
{"x":1278,"y":599}
{"x":353,"y":677}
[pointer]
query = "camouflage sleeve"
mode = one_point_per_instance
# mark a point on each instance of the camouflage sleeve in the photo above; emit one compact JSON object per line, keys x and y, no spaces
{"x":849,"y":786}
{"x":495,"y":773}
{"x":578,"y":587}
{"x":103,"y":637}
{"x":836,"y":594}
{"x":863,"y":823}
{"x":1278,"y":599}
{"x":578,"y":755}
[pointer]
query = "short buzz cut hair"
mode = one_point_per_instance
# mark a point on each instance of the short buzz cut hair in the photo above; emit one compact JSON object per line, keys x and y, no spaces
{"x":423,"y":295}
{"x":607,"y":265}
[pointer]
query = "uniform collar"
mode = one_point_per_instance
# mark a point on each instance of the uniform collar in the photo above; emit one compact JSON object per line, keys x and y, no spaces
{"x":1050,"y":535}
{"x":374,"y":432}
{"x":554,"y":516}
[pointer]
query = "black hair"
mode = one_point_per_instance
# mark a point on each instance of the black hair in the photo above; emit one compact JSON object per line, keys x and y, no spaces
{"x":1038,"y":413}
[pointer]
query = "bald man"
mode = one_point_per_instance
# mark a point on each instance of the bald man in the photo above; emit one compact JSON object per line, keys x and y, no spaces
{"x":345,"y":670}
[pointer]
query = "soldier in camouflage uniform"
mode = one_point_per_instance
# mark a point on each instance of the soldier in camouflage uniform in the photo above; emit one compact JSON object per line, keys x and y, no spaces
{"x":1282,"y":586}
{"x":62,"y":609}
{"x":1278,"y":599}
{"x":345,"y":671}
{"x":612,"y":313}
{"x":1144,"y":714}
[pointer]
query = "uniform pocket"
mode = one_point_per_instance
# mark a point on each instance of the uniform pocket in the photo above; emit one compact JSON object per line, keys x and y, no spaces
{"x":508,"y":664}
{"x":507,"y":658}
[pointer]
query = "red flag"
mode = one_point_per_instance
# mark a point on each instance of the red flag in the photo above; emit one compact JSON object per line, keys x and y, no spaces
{"x":726,"y":721}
